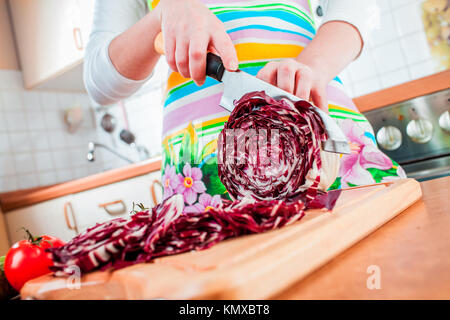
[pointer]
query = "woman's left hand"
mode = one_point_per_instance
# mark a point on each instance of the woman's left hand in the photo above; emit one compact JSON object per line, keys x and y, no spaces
{"x":297,"y":78}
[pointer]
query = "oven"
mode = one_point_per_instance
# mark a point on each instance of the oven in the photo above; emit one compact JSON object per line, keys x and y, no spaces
{"x":416,"y":134}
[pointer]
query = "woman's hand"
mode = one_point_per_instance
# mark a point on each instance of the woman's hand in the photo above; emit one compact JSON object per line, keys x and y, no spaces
{"x":190,"y":30}
{"x":297,"y":78}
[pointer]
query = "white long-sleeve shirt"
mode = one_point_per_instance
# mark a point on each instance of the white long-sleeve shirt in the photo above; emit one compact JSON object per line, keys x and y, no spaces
{"x":106,"y":85}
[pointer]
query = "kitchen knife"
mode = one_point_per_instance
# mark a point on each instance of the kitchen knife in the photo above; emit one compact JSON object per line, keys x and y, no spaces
{"x":238,"y":83}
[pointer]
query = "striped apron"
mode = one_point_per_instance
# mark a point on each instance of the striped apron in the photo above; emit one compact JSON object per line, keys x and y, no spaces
{"x":261,"y":30}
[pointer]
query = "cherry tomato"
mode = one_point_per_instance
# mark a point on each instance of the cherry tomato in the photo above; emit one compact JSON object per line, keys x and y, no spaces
{"x":27,"y":259}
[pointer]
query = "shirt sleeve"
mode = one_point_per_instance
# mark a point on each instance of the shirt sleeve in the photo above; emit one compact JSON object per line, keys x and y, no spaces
{"x":363,"y":15}
{"x":104,"y":84}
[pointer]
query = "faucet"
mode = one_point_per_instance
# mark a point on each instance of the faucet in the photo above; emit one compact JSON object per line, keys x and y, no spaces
{"x":90,"y":156}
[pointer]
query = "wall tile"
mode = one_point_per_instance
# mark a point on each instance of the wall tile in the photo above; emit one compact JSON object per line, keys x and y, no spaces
{"x":43,"y":161}
{"x":366,"y":86}
{"x":384,"y":5}
{"x":35,"y":120}
{"x":61,"y":159}
{"x":15,"y":121}
{"x":393,"y":78}
{"x":422,"y":69}
{"x":27,"y":181}
{"x":49,"y":101}
{"x":415,"y":48}
{"x":12,"y":101}
{"x":8,"y":183}
{"x":31,"y":101}
{"x":20,"y":141}
{"x":24,"y":163}
{"x":4,"y":143}
{"x":408,"y":18}
{"x":389,"y":57}
{"x":54,"y":119}
{"x":7,"y":167}
{"x":386,"y":32}
{"x":57,"y":139}
{"x":363,"y":67}
{"x":46,"y":178}
{"x":40,"y":141}
{"x":64,"y":175}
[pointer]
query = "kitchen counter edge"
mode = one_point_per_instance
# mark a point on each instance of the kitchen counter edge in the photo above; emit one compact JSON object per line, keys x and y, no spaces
{"x":23,"y":198}
{"x":405,"y":91}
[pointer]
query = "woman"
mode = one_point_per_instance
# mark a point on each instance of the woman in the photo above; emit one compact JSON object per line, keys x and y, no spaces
{"x":276,"y":40}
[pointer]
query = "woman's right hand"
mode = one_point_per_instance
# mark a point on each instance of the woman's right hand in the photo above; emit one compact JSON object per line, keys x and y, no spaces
{"x":190,"y":30}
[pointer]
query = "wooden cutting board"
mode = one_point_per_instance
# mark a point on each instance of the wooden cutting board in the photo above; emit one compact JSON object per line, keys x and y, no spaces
{"x":250,"y":267}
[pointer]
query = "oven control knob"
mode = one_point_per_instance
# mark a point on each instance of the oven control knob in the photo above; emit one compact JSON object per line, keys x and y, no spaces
{"x":420,"y":130}
{"x":389,"y":137}
{"x":444,"y":121}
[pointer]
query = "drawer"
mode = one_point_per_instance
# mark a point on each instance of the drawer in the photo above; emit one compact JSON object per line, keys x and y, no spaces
{"x":43,"y":218}
{"x":112,"y":201}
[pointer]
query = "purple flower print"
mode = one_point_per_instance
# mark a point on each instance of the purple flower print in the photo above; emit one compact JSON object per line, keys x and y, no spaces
{"x":365,"y":155}
{"x":190,"y":184}
{"x":205,"y":202}
{"x":170,"y":181}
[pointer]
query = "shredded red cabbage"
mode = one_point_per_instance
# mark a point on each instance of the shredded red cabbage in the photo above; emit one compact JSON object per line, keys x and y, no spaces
{"x":165,"y":230}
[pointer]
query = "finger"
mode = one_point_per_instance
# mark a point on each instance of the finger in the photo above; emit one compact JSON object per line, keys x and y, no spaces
{"x":286,"y":77}
{"x":182,"y":57}
{"x":197,"y":59}
{"x":169,"y":50}
{"x":303,"y":85}
{"x":269,"y":73}
{"x":225,"y":48}
{"x":319,"y":98}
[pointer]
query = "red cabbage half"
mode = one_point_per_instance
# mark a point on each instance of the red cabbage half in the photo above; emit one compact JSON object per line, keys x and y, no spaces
{"x":271,"y":149}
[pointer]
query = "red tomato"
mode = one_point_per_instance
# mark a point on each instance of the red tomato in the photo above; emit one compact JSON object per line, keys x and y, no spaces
{"x":27,"y":259}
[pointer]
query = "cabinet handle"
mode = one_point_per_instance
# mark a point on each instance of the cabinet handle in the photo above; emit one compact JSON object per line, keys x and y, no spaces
{"x":77,"y":37}
{"x":107,"y":204}
{"x":153,"y":192}
{"x":67,"y":206}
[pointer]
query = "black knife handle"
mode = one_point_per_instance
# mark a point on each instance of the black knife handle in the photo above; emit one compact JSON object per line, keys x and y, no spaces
{"x":214,"y":66}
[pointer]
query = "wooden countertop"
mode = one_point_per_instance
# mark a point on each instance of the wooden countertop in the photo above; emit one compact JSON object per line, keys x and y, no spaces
{"x":412,"y":252}
{"x":22,"y":198}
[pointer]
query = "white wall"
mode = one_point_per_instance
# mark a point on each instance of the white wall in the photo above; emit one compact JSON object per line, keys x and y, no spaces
{"x":37,"y":150}
{"x":396,"y":53}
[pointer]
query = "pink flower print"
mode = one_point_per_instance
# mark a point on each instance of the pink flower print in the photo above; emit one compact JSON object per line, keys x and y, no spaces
{"x":190,"y":184}
{"x":205,"y":202}
{"x":170,"y":181}
{"x":365,"y":155}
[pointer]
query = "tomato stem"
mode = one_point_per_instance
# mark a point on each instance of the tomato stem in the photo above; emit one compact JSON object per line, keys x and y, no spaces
{"x":36,"y":241}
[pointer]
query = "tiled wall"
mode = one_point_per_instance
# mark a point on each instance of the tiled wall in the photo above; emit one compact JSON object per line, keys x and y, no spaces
{"x":397,"y":52}
{"x":36,"y":148}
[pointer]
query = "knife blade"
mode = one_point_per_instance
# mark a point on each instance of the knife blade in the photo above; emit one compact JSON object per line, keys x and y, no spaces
{"x":239,"y":83}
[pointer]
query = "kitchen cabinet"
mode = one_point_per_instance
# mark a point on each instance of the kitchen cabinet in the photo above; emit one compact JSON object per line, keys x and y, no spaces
{"x":43,"y":218}
{"x":4,"y":242}
{"x":66,"y":216}
{"x":51,"y":37}
{"x":111,"y":201}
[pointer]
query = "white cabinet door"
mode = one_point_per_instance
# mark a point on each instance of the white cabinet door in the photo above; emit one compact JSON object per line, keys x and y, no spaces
{"x":43,"y":218}
{"x":51,"y":36}
{"x":111,"y":201}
